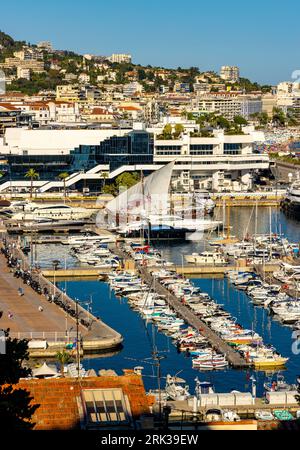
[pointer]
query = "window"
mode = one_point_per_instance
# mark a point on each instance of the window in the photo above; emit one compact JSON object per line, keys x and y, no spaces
{"x":201,"y":149}
{"x":106,"y":406}
{"x":168,"y":150}
{"x":232,"y":149}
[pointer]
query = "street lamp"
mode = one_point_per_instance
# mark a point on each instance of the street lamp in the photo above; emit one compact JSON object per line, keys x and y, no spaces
{"x":55,"y":265}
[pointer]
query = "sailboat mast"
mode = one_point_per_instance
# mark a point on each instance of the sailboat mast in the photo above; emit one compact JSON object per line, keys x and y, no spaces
{"x":143,"y":209}
{"x":228,"y":220}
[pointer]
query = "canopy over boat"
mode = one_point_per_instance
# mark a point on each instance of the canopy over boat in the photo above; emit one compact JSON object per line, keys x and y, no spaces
{"x":149,"y":196}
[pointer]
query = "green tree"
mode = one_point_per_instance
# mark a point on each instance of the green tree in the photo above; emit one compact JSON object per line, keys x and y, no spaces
{"x":239,"y":121}
{"x":63,"y":176}
{"x":279,"y":118}
{"x":33,"y":175}
{"x":141,"y":74}
{"x":15,"y":404}
{"x":179,"y":129}
{"x":221,"y":122}
{"x":167,"y":132}
{"x":127,"y":179}
{"x":104,"y":176}
{"x":63,"y":358}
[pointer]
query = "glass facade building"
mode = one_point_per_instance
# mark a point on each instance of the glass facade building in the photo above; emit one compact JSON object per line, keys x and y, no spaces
{"x":134,"y":148}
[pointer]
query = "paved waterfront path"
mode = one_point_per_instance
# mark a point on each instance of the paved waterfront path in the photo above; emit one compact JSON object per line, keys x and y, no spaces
{"x":26,"y":315}
{"x":27,"y":318}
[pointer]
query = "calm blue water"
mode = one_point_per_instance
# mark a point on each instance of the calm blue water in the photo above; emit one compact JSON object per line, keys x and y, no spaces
{"x":138,"y":338}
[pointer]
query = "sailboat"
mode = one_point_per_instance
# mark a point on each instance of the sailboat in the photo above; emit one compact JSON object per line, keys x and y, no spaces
{"x":225,"y":239}
{"x":145,"y":208}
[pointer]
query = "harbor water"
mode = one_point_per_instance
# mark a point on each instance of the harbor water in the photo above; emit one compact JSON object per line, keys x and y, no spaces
{"x":139,"y":337}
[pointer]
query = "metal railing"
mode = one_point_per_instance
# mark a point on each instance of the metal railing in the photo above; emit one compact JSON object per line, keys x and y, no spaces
{"x":52,"y":336}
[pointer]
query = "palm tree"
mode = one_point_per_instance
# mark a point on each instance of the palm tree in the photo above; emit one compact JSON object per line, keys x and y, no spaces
{"x":63,"y":358}
{"x":33,"y":175}
{"x":105,"y":176}
{"x":63,"y":176}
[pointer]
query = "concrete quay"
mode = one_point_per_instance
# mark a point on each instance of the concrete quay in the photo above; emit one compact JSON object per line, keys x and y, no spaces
{"x":53,"y":325}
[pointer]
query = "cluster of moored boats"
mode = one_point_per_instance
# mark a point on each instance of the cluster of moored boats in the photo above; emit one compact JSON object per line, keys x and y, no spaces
{"x":94,"y":251}
{"x":153,"y":306}
{"x":260,"y":249}
{"x":274,"y":297}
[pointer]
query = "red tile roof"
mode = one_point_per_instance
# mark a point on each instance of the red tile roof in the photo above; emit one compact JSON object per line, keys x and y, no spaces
{"x":8,"y":106}
{"x":57,"y":398}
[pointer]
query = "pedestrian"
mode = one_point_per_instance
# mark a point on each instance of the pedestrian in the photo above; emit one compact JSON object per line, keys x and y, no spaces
{"x":41,"y":309}
{"x":10,"y":315}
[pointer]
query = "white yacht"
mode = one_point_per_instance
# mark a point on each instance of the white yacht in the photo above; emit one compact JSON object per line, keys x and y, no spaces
{"x":291,"y":202}
{"x":54,"y":212}
{"x":191,"y":225}
{"x":206,"y":259}
{"x":78,"y":241}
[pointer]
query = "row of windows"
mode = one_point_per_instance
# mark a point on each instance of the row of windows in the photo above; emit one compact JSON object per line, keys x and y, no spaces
{"x":184,"y":163}
{"x":233,"y":146}
{"x":168,"y":147}
{"x":173,"y":152}
{"x":201,"y":152}
{"x":201,"y":147}
{"x":232,"y":152}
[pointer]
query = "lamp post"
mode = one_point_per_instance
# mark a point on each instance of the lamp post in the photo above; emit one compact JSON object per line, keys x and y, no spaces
{"x":55,"y":264}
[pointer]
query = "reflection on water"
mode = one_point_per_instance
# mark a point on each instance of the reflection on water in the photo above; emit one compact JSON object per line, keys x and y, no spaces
{"x":242,"y":221}
{"x":138,"y":337}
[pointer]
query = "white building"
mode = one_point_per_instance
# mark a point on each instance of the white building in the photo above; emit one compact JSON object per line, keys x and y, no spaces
{"x":84,"y":78}
{"x":230,"y":74}
{"x":287,"y":88}
{"x":132,"y":89}
{"x":45,"y":45}
{"x":120,"y":58}
{"x":229,"y":105}
{"x":23,"y":73}
{"x":218,"y":163}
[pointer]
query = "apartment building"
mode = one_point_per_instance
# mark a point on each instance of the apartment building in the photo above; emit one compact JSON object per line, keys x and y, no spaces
{"x":230,"y":105}
{"x":132,"y":89}
{"x":230,"y":74}
{"x":69,"y":93}
{"x":31,"y":64}
{"x":120,"y":58}
{"x":23,"y":73}
{"x":45,"y":45}
{"x":269,"y":102}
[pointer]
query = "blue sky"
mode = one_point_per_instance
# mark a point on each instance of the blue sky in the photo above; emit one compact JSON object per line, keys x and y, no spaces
{"x":261,"y":37}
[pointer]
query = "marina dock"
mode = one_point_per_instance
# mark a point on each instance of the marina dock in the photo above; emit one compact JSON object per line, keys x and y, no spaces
{"x":191,"y":270}
{"x":217,"y":343}
{"x":22,"y":316}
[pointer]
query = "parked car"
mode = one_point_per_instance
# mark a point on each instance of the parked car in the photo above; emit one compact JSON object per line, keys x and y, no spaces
{"x":264,"y":415}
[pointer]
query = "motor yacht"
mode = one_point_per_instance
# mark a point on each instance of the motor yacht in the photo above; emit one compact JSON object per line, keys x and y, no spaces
{"x":207,"y":259}
{"x":54,"y":212}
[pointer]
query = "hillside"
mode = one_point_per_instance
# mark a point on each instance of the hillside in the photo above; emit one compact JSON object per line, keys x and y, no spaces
{"x":65,"y":67}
